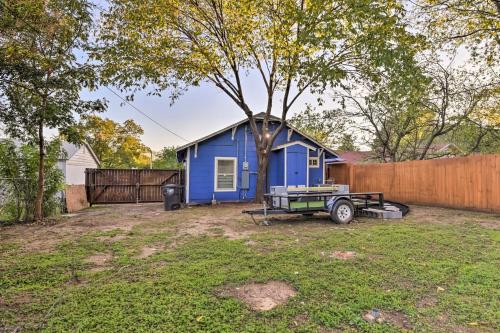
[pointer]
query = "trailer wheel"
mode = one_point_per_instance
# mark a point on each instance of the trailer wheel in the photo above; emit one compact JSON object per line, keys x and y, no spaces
{"x":342,"y":211}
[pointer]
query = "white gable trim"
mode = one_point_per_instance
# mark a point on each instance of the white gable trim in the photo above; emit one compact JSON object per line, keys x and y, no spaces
{"x":307,"y":175}
{"x":188,"y":162}
{"x":92,"y":153}
{"x":286,"y":161}
{"x":233,"y":132}
{"x":324,"y":165}
{"x":293,"y":144}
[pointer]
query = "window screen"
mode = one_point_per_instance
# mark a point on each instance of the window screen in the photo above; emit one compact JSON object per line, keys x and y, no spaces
{"x":226,"y":171}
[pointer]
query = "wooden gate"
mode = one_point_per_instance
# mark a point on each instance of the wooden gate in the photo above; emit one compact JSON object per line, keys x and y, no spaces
{"x":105,"y":186}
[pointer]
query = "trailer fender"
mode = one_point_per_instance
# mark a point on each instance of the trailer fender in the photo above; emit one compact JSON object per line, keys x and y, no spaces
{"x":333,"y":200}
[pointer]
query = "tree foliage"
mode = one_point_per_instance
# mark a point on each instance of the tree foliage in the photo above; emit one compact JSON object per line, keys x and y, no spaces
{"x":472,"y":23}
{"x":404,"y":122}
{"x":326,"y":127}
{"x":19,"y":174}
{"x":116,"y":145}
{"x":166,"y":159}
{"x":294,"y":46}
{"x":348,"y":143}
{"x":40,"y":76}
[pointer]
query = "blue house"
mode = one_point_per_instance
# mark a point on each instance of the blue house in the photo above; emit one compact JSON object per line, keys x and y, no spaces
{"x":223,"y":165}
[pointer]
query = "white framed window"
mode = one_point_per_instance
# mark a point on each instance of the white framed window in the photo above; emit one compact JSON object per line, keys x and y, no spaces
{"x":225,"y":174}
{"x":314,"y":162}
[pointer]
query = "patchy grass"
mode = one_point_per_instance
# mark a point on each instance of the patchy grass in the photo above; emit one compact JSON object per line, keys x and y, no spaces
{"x":436,"y":270}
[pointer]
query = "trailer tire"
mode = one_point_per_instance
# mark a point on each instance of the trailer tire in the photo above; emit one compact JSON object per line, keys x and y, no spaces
{"x":342,"y":211}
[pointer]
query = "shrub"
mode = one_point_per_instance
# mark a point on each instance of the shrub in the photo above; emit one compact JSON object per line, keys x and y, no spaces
{"x":19,"y":175}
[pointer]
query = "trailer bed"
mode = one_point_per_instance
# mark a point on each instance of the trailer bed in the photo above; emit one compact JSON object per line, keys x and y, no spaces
{"x":310,"y":203}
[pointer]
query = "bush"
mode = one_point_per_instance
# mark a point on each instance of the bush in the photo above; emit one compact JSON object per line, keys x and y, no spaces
{"x":19,"y":178}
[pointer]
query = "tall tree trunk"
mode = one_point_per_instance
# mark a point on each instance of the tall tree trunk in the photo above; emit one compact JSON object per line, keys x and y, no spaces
{"x":38,"y":209}
{"x":263,"y":161}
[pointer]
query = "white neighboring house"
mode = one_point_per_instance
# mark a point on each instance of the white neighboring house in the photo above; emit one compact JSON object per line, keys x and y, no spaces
{"x":76,"y":159}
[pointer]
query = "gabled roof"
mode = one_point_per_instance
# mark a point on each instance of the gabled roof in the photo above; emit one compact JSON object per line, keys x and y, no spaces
{"x":71,"y":149}
{"x":356,"y":156}
{"x":258,"y":116}
{"x":293,"y":143}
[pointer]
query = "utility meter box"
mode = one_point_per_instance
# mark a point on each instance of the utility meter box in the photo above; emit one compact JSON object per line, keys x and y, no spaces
{"x":245,"y":165}
{"x":245,"y":180}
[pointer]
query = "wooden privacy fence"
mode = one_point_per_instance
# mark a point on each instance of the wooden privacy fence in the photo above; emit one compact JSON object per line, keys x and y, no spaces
{"x":471,"y":182}
{"x":125,"y":186}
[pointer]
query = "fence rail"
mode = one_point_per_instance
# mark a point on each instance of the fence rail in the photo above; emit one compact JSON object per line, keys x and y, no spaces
{"x":127,"y":186}
{"x":471,"y":182}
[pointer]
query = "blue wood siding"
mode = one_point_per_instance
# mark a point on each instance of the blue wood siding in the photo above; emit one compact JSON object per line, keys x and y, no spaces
{"x":296,"y":165}
{"x":276,"y":169}
{"x":202,"y":167}
{"x":316,"y":174}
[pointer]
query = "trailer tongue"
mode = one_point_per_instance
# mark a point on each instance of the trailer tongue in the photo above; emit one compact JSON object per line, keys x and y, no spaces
{"x":336,"y":200}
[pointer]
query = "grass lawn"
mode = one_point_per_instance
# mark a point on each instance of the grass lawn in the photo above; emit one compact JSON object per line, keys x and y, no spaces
{"x":136,"y":268}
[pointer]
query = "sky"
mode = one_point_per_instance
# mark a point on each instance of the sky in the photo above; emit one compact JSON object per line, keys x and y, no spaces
{"x":200,"y":111}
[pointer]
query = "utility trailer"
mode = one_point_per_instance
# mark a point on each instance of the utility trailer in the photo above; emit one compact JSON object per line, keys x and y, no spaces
{"x":336,"y":200}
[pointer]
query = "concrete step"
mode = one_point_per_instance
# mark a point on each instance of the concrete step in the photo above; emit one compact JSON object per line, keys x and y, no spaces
{"x":382,"y":213}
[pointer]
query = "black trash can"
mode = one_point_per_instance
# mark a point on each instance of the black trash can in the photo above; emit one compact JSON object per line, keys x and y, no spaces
{"x":172,"y":194}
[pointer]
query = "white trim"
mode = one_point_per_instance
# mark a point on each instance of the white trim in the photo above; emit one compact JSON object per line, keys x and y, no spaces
{"x":293,"y":144}
{"x":309,"y":162}
{"x":216,"y":172}
{"x":188,"y":162}
{"x":312,"y":140}
{"x":196,"y":151}
{"x":233,"y":132}
{"x":324,"y":170}
{"x":213,"y":134}
{"x":307,"y":172}
{"x":94,"y":156}
{"x":286,"y":180}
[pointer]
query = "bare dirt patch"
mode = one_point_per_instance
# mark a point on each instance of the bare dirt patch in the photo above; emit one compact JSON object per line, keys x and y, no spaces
{"x":111,"y":239}
{"x":490,"y":224}
{"x":300,"y":319}
{"x":395,"y":318}
{"x":437,"y":215}
{"x":342,"y":255}
{"x":427,"y":302}
{"x":147,"y":251}
{"x":222,"y":220}
{"x":262,"y":296}
{"x":443,"y":323}
{"x":16,"y":300}
{"x":99,"y":259}
{"x":225,"y":220}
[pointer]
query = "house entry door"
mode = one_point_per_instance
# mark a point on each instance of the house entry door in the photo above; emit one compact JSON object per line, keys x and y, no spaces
{"x":296,"y":168}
